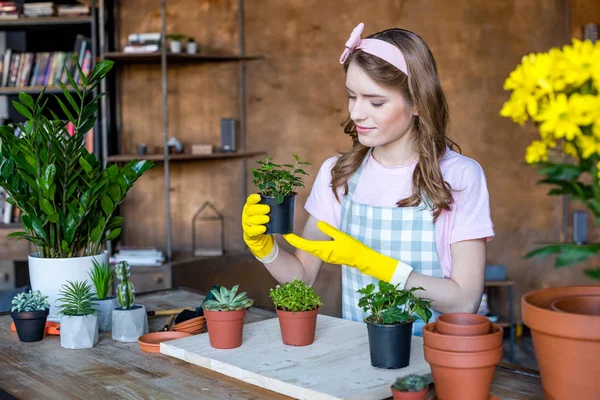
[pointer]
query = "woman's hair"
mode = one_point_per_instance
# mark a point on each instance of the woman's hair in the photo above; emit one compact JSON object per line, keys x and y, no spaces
{"x":422,"y":89}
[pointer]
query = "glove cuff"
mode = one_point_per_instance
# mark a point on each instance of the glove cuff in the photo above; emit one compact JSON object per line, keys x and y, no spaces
{"x":269,"y":258}
{"x":400,"y":275}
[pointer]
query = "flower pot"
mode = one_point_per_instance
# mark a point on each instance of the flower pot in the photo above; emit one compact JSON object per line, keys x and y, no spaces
{"x":298,"y":328}
{"x":105,"y":309}
{"x":191,"y":47}
{"x":78,"y":332}
{"x":48,"y":275}
{"x":462,"y":376}
{"x":566,"y":345}
{"x":462,"y":344}
{"x":129,"y":325}
{"x":585,"y":305}
{"x":281,"y":216}
{"x":389,"y":345}
{"x":175,"y":46}
{"x":463,"y":324}
{"x":225,"y":328}
{"x":30,"y":325}
{"x":399,"y":395}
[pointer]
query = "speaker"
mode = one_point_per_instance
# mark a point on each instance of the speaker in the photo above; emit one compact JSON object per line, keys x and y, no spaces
{"x":580,"y":227}
{"x":228,"y":135}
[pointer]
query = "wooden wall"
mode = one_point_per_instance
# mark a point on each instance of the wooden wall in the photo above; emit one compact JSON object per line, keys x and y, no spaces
{"x":296,"y":101}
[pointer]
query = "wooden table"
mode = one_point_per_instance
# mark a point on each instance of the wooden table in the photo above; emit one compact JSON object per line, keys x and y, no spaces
{"x":121,"y":370}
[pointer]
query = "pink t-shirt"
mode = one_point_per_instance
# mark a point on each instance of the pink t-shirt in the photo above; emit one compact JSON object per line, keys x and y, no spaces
{"x":383,"y":186}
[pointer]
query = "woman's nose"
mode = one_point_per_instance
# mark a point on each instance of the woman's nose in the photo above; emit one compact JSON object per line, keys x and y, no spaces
{"x":357,"y":111}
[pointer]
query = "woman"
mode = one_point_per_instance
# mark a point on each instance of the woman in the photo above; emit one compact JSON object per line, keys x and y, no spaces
{"x":401,"y":205}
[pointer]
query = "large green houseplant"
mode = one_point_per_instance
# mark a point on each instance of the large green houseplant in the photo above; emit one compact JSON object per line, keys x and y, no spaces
{"x":67,"y":199}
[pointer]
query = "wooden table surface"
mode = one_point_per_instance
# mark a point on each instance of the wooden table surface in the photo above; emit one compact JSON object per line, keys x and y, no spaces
{"x":121,"y":370}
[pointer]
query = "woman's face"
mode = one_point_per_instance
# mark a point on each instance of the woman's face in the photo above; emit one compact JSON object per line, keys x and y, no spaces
{"x":382,"y":116}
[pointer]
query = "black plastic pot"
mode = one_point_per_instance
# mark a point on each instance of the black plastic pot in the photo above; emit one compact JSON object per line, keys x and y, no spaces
{"x":30,"y":325}
{"x":389,"y":345}
{"x":281,"y":215}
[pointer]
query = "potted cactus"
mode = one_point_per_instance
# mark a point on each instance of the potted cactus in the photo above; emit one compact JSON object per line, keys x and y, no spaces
{"x":129,"y":321}
{"x":30,"y":311}
{"x":276,"y":184}
{"x":297,"y":306}
{"x":392,"y":312}
{"x":225,"y":317}
{"x":102,"y":276}
{"x":78,"y":322}
{"x":410,"y":387}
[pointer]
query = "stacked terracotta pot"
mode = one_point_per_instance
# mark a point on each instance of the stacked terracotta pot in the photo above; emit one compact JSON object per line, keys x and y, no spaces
{"x":463,"y":350}
{"x":565,"y":327}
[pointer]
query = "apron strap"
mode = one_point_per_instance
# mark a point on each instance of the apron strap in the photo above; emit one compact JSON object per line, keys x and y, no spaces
{"x":356,"y":177}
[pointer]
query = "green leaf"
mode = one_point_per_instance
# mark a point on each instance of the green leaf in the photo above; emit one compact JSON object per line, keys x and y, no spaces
{"x":566,"y":172}
{"x":114,"y":191}
{"x":85,"y":165}
{"x":115,"y":222}
{"x":66,"y":110}
{"x":97,"y":233}
{"x":113,"y":234}
{"x":593,"y":273}
{"x":26,"y":99}
{"x":101,"y":69}
{"x":22,"y":109}
{"x":574,"y":255}
{"x":54,"y":218}
{"x":46,"y":207}
{"x":107,"y":205}
{"x":69,"y":98}
{"x":17,"y":234}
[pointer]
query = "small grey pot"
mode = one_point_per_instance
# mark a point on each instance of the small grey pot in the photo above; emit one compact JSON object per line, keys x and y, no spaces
{"x":105,"y":309}
{"x":129,"y":325}
{"x":78,"y":332}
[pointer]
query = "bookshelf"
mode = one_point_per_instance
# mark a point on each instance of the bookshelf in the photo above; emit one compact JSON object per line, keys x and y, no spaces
{"x":181,"y":58}
{"x":182,"y":157}
{"x":43,"y":22}
{"x":10,"y":91}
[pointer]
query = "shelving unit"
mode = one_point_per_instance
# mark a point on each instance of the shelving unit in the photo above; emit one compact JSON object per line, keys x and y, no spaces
{"x":511,"y":323}
{"x":181,"y":157}
{"x":8,"y":91}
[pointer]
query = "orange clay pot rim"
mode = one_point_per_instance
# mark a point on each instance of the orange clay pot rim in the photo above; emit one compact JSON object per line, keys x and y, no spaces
{"x":167,"y":335}
{"x":467,"y":360}
{"x":293,"y":312}
{"x":476,"y":317}
{"x":571,"y":298}
{"x":462,"y":337}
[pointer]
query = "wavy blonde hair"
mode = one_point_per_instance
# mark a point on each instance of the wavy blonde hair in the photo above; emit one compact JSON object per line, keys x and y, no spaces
{"x":422,"y":89}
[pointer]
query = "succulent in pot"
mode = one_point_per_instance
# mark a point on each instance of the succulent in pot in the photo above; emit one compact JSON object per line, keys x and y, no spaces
{"x":276,"y":184}
{"x":410,"y":387}
{"x":129,"y":320}
{"x":392,"y":312}
{"x":102,"y":276}
{"x":29,"y":311}
{"x":225,"y":317}
{"x":66,"y":197}
{"x":297,"y":306}
{"x":175,"y":42}
{"x":78,"y":322}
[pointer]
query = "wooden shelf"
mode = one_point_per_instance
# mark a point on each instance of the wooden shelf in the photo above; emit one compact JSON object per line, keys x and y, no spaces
{"x":16,"y":225}
{"x":180,"y":57}
{"x":24,"y":23}
{"x":31,"y":90}
{"x":498,"y":283}
{"x":182,"y":157}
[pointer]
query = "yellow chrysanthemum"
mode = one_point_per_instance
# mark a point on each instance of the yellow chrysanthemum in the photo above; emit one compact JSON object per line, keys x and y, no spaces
{"x":588,"y":145}
{"x":536,"y":152}
{"x":516,"y":108}
{"x":570,"y":149}
{"x":579,"y":62}
{"x":558,"y":119}
{"x":584,"y":109}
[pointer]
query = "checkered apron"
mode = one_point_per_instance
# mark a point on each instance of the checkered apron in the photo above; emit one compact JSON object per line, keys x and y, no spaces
{"x":403,"y":233}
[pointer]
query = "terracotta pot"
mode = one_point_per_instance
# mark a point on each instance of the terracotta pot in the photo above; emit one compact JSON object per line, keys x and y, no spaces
{"x":298,"y":328}
{"x":462,"y":376}
{"x":566,"y":345}
{"x":225,"y":328}
{"x":586,"y":305}
{"x":462,"y":344}
{"x":398,"y":395}
{"x":463,"y":324}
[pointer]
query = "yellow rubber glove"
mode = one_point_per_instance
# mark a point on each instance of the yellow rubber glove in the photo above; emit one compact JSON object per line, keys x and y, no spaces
{"x":254,"y":216}
{"x":346,"y":250}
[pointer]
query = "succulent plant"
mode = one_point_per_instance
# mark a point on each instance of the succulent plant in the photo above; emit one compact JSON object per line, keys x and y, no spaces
{"x":30,"y":301}
{"x":102,"y":277}
{"x":228,"y":300}
{"x":410,"y":383}
{"x":125,"y":289}
{"x":77,"y":299}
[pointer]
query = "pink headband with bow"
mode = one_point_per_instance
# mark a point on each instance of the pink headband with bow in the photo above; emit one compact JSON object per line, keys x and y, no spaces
{"x":379,"y":48}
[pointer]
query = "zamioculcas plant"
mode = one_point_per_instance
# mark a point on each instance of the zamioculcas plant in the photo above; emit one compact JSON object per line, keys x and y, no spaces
{"x":413,"y":387}
{"x":125,"y":289}
{"x":29,"y":312}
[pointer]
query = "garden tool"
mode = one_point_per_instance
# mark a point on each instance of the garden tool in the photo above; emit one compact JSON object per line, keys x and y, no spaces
{"x":168,"y":324}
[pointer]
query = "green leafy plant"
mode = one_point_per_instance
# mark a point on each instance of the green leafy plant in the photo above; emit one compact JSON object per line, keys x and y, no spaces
{"x":77,"y":299}
{"x":176,"y":36}
{"x":102,"y":277}
{"x":278,"y":180}
{"x":30,"y":301}
{"x":66,"y":198}
{"x":390,"y":305}
{"x":228,"y":300}
{"x":125,"y":289}
{"x":295,"y":296}
{"x":410,"y":383}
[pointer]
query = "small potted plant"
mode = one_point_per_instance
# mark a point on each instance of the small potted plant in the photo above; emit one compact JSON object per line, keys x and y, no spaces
{"x":30,"y":311}
{"x":297,"y":306}
{"x":276,"y":184}
{"x":410,"y":387}
{"x":191,"y":46}
{"x":392,"y":312}
{"x":225,"y":317}
{"x":78,"y":322}
{"x":129,"y":321}
{"x":102,"y":276}
{"x":175,"y":42}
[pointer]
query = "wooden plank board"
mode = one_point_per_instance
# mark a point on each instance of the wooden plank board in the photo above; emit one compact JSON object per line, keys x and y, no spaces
{"x":336,"y":366}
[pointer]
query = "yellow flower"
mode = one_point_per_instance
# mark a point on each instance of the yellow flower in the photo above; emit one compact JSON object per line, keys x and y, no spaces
{"x":579,"y":61}
{"x":515,"y":108}
{"x":559,"y":119}
{"x":588,"y":145}
{"x":584,"y":109}
{"x":569,"y":149}
{"x":598,"y":166}
{"x":536,"y":152}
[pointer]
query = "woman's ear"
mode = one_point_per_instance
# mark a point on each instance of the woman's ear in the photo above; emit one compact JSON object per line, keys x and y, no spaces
{"x":415,"y":112}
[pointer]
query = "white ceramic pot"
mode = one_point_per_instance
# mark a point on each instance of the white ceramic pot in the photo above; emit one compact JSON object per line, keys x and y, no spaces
{"x":191,"y":47}
{"x":48,"y":275}
{"x":105,"y":309}
{"x":129,"y":325}
{"x":175,"y":46}
{"x":79,"y":332}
